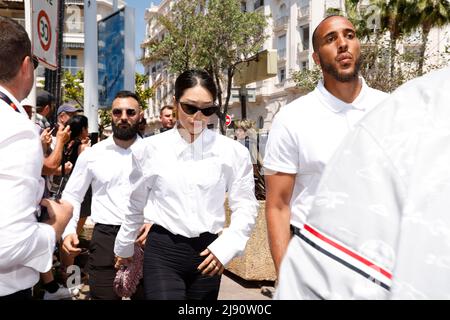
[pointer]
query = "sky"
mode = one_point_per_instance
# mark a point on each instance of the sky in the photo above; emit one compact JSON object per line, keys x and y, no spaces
{"x":139,"y":10}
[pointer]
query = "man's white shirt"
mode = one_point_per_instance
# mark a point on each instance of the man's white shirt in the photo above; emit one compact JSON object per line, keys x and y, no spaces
{"x":186,"y":185}
{"x":26,"y":246}
{"x":304,"y":135}
{"x":107,"y":167}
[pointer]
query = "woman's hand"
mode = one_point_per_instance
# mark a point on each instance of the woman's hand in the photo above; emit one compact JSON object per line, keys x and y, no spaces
{"x":211,"y":266}
{"x":122,"y":262}
{"x":142,"y":236}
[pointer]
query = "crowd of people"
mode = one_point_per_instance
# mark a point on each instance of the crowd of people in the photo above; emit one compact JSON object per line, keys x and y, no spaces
{"x":356,"y":186}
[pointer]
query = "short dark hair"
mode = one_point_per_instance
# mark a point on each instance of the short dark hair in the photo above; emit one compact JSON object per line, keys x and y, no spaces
{"x":127,"y":94}
{"x":167,"y":106}
{"x":192,"y":78}
{"x":14,"y":47}
{"x":315,"y":41}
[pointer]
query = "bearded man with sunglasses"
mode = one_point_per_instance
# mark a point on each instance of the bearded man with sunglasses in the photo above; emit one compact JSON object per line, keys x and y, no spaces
{"x":26,"y":246}
{"x":106,"y":167}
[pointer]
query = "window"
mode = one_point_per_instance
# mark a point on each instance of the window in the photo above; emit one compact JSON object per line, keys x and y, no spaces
{"x":243,"y":6}
{"x":283,"y":11}
{"x":281,"y":75}
{"x":281,"y":46}
{"x":304,"y":33}
{"x":304,"y":65}
{"x":260,"y":122}
{"x":258,"y":3}
{"x":70,"y":64}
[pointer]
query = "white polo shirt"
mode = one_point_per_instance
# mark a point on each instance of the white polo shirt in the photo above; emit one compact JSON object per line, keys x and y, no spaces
{"x":304,"y":135}
{"x":388,"y":235}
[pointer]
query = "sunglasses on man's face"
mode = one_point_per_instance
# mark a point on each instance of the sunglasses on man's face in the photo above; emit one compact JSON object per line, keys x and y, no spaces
{"x":191,"y":109}
{"x":35,"y":61}
{"x":118,"y":112}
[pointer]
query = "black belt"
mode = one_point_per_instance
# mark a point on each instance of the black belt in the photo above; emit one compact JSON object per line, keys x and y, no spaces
{"x":295,"y":230}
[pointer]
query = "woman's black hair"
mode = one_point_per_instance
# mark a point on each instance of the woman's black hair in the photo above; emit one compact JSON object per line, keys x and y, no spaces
{"x":77,"y":123}
{"x":192,"y":78}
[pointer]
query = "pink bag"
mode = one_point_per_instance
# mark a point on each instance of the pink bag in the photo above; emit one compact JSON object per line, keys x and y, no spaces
{"x":127,"y":278}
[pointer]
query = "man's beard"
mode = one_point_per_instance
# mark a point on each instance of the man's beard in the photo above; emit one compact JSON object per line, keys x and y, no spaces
{"x":341,"y":77}
{"x":125,"y":134}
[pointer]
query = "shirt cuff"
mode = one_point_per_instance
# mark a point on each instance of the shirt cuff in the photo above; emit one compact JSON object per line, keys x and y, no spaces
{"x":227,"y":246}
{"x":124,"y":250}
{"x":45,"y":241}
{"x":71,"y":227}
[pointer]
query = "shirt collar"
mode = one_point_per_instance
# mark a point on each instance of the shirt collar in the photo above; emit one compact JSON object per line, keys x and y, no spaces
{"x":200,"y":145}
{"x":337,"y":105}
{"x":14,"y":100}
{"x":111,"y":144}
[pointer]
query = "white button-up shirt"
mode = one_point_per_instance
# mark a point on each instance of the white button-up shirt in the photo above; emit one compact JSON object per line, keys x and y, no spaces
{"x":388,"y":235}
{"x":186,"y":185}
{"x":304,"y":135}
{"x":26,"y":246}
{"x":107,"y":167}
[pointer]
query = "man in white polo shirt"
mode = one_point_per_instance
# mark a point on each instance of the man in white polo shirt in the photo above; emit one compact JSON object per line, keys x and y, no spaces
{"x":379,"y":227}
{"x":306,"y":132}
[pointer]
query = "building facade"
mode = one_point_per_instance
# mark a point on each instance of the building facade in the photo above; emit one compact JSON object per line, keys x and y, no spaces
{"x":290,"y":29}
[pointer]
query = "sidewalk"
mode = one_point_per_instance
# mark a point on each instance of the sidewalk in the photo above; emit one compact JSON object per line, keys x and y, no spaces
{"x":234,"y":288}
{"x":231,"y":288}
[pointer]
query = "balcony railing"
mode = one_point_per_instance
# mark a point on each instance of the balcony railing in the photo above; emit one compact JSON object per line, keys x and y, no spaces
{"x":281,"y":23}
{"x":74,"y":26}
{"x":303,"y":11}
{"x":281,"y":54}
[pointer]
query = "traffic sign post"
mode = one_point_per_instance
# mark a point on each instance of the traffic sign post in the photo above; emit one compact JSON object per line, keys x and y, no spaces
{"x":45,"y":22}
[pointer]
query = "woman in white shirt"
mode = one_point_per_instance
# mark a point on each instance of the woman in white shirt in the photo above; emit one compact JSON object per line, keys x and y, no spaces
{"x":185,"y":175}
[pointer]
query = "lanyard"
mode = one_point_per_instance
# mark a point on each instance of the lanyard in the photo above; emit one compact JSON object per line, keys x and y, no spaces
{"x":5,"y":98}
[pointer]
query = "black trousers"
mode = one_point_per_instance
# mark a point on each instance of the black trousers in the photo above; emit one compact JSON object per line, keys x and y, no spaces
{"x":100,"y":266}
{"x":22,"y":295}
{"x":170,"y":267}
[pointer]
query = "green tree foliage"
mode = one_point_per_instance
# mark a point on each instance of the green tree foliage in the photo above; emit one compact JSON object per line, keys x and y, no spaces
{"x":427,"y":14}
{"x":72,"y":88}
{"x":214,"y":35}
{"x":307,"y":79}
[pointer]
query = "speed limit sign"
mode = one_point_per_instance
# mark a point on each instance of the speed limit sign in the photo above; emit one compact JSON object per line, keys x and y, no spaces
{"x":44,"y":30}
{"x":45,"y":20}
{"x":227,"y":120}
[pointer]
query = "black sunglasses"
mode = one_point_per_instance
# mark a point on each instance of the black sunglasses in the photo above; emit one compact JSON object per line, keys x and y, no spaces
{"x":118,"y":112}
{"x":191,"y":109}
{"x":35,"y":61}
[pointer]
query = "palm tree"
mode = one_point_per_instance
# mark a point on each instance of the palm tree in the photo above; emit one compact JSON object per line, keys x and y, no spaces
{"x":395,"y":18}
{"x":428,"y":14}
